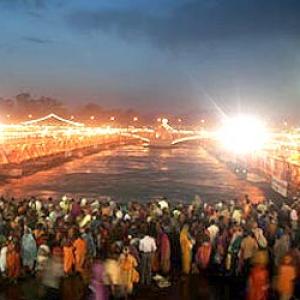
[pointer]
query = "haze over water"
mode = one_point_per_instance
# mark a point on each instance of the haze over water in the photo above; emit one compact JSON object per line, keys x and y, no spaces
{"x":137,"y":173}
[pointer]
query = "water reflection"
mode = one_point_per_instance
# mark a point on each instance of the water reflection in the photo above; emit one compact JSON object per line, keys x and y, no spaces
{"x":136,"y":172}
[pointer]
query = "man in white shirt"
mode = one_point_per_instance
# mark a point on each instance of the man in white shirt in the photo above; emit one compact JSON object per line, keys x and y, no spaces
{"x":147,"y":247}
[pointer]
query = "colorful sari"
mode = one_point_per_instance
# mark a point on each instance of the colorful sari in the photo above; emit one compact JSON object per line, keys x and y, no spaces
{"x":165,"y":253}
{"x":69,"y":259}
{"x":186,"y":249}
{"x":13,"y":262}
{"x":80,"y":253}
{"x":203,"y":255}
{"x":258,"y":283}
{"x":128,"y":272}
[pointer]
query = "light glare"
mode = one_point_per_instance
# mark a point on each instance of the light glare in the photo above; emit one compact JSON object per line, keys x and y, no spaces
{"x":243,"y":134}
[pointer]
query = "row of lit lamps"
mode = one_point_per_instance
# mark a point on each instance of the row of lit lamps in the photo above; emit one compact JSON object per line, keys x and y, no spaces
{"x":112,"y":118}
{"x":30,"y":116}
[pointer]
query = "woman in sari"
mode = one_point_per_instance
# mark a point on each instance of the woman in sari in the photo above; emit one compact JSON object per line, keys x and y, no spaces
{"x":13,"y":261}
{"x":258,"y":281}
{"x":186,"y":244}
{"x":203,"y":254}
{"x":28,"y":250}
{"x":156,"y":230}
{"x":165,"y":254}
{"x":80,"y":254}
{"x":69,"y":260}
{"x":286,"y":278}
{"x":129,"y":275}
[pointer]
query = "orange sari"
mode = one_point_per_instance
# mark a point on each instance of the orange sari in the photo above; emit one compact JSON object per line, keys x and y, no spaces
{"x":186,"y":250}
{"x":128,"y":272}
{"x":69,"y":259}
{"x":80,"y":253}
{"x":13,"y":262}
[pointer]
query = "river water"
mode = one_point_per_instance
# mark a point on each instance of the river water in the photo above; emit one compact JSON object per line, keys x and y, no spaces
{"x":137,"y":173}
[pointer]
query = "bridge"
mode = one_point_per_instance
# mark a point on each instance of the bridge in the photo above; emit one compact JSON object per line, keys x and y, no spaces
{"x":164,"y":135}
{"x":41,"y":142}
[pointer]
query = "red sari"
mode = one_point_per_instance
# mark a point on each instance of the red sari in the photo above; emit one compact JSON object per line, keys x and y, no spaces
{"x":203,"y":255}
{"x":258,"y":283}
{"x":165,"y":253}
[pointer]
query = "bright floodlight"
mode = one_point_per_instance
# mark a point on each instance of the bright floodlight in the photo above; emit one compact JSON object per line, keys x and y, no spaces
{"x":243,"y":134}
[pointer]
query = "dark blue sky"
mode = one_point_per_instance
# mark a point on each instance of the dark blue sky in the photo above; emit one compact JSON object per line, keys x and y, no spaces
{"x":157,"y":55}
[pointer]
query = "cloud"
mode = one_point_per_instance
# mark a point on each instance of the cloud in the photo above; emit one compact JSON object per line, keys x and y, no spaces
{"x":36,"y":40}
{"x":193,"y":21}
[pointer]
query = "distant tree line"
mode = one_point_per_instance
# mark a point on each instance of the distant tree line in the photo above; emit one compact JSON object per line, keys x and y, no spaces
{"x":24,"y":107}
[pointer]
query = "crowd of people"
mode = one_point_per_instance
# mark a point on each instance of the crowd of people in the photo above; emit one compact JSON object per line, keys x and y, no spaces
{"x":119,"y":247}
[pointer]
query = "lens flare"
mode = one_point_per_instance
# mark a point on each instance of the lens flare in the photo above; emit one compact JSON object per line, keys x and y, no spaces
{"x":243,"y":134}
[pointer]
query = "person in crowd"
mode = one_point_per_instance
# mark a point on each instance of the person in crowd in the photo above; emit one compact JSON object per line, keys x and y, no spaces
{"x":51,"y":277}
{"x":259,"y":235}
{"x":232,"y":258}
{"x":80,"y":250}
{"x":28,"y":250}
{"x":213,"y":231}
{"x":13,"y":261}
{"x":69,"y":259}
{"x":282,"y":245}
{"x":75,"y":209}
{"x":90,"y":244}
{"x":248,"y":249}
{"x":229,"y":236}
{"x":165,"y":252}
{"x":3,"y":253}
{"x":97,"y":284}
{"x":39,"y":233}
{"x":186,"y":244}
{"x":203,"y":254}
{"x":258,"y":281}
{"x":113,"y":275}
{"x":147,"y":247}
{"x":222,"y":242}
{"x":43,"y":255}
{"x":129,"y":274}
{"x":286,"y":278}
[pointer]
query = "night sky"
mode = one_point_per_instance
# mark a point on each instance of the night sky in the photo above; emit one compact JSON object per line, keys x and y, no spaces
{"x":169,"y":55}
